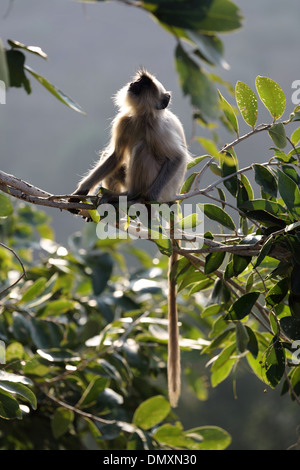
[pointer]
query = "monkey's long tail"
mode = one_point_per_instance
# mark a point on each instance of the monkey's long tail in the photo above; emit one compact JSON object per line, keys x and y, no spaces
{"x":173,"y":349}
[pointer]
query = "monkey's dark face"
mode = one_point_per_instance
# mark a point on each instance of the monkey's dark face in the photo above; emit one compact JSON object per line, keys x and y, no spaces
{"x":146,"y":93}
{"x":141,"y":85}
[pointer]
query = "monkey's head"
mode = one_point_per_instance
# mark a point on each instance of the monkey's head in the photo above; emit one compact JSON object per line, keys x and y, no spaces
{"x":144,"y":94}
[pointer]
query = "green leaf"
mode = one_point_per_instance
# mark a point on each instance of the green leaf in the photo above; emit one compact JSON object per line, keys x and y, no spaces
{"x":222,"y":16}
{"x":190,"y":221}
{"x":188,"y":183}
{"x":243,"y":306}
{"x":196,"y":84}
{"x":278,"y":135}
{"x":173,"y":436}
{"x":294,"y":304}
{"x":240,"y":263}
{"x":247,"y":187}
{"x":290,"y":171}
{"x":33,"y":49}
{"x":60,"y":95}
{"x":102,"y":268}
{"x":223,"y":365}
{"x":242,"y":337}
{"x":9,"y":377}
{"x":275,"y":362}
{"x":4,"y":72}
{"x":212,"y":309}
{"x":295,"y":137}
{"x":90,"y":395}
{"x":14,"y":351}
{"x":252,"y":344}
{"x":19,"y":389}
{"x":209,"y":48}
{"x":266,"y":219}
{"x":272,"y":96}
{"x":220,"y":293}
{"x":186,"y":15}
{"x":217,"y":214}
{"x":34,"y":290}
{"x":61,"y":421}
{"x":229,"y":113}
{"x":213,"y":261}
{"x":210,"y":147}
{"x":6,"y":207}
{"x":9,"y":407}
{"x":229,"y":165}
{"x":16,"y":65}
{"x":291,"y":327}
{"x":36,"y":367}
{"x":58,"y":355}
{"x":265,"y":178}
{"x":210,"y":437}
{"x":263,"y":205}
{"x":215,"y":169}
{"x":247,"y":103}
{"x":278,"y":292}
{"x":201,"y":438}
{"x":58,"y":307}
{"x":151,"y":412}
{"x":163,"y":244}
{"x":195,"y":161}
{"x":290,"y":193}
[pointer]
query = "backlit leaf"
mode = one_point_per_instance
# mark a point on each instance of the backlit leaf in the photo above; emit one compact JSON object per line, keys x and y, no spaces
{"x":229,"y":113}
{"x":247,"y":103}
{"x":290,"y":193}
{"x":196,"y":84}
{"x":217,"y":214}
{"x":60,"y":95}
{"x":271,"y":95}
{"x":277,"y":134}
{"x":151,"y":412}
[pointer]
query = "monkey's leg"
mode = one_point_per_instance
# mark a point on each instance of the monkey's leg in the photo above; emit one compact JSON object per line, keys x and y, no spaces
{"x":100,"y":172}
{"x":166,"y":173}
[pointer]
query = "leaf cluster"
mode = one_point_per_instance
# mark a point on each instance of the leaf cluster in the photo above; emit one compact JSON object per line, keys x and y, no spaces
{"x":86,"y":344}
{"x":252,"y":293}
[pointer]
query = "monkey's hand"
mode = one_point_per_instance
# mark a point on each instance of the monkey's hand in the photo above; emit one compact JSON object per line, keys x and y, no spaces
{"x":76,"y":199}
{"x":113,"y":198}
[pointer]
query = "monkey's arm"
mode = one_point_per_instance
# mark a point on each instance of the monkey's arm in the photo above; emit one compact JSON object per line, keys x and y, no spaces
{"x":168,"y":170}
{"x":101,"y":171}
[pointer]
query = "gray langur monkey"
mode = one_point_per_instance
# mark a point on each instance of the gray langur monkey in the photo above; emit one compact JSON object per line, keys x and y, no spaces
{"x":146,"y":159}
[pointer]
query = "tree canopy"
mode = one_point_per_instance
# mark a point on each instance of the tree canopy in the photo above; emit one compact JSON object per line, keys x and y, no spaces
{"x":83,"y":327}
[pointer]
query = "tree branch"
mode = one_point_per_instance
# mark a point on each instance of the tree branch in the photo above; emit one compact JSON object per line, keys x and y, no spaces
{"x":25,"y":191}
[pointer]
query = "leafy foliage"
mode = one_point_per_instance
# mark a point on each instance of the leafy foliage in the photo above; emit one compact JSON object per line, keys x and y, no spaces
{"x":86,"y":338}
{"x":86,"y":344}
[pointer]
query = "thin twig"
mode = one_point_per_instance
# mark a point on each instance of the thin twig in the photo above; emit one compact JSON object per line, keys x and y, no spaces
{"x":22,"y":266}
{"x":291,"y":388}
